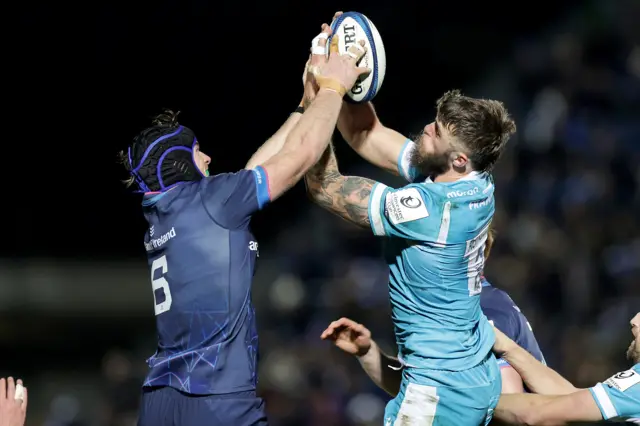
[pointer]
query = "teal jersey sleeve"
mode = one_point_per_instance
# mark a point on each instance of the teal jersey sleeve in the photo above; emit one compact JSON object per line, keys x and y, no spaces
{"x":619,"y":396}
{"x":405,"y":169}
{"x":411,"y":212}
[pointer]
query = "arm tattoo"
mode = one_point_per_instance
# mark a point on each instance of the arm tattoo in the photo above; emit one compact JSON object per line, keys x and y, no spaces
{"x":345,"y":196}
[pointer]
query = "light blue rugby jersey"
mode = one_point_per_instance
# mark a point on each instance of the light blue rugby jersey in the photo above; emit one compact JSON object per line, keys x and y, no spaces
{"x":619,"y":396}
{"x":436,"y":256}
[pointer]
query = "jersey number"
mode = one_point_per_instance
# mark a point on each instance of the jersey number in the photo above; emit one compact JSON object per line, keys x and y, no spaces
{"x":475,"y":251}
{"x":160,"y":283}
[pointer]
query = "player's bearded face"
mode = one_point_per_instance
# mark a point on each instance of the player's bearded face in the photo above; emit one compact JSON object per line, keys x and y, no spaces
{"x":633,"y":353}
{"x":430,"y":159}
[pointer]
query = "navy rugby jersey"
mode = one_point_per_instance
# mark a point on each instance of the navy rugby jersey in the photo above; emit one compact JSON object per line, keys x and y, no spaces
{"x":506,"y":316}
{"x":202,"y":259}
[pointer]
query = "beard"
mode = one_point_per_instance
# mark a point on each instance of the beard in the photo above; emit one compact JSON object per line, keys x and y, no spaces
{"x":430,"y":165}
{"x":633,"y":353}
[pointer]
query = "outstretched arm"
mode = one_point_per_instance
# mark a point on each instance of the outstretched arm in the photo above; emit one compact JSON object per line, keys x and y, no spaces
{"x":355,"y":339}
{"x":381,"y":146}
{"x":531,"y":409}
{"x":274,"y":144}
{"x":345,"y":196}
{"x":537,"y":376}
{"x":334,"y":75}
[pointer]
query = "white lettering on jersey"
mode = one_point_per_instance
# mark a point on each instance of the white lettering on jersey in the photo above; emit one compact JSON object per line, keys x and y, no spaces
{"x":158,"y":242}
{"x":253,"y":246}
{"x":454,"y":194}
{"x":480,"y":204}
{"x":623,"y":380}
{"x":405,"y":205}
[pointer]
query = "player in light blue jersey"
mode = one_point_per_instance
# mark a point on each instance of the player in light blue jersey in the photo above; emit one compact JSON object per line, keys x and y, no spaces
{"x":437,"y":228}
{"x":558,"y":402}
{"x":386,"y":370}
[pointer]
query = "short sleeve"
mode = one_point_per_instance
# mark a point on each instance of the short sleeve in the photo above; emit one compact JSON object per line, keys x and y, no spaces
{"x":404,"y":213}
{"x":405,"y":169}
{"x":618,"y":397}
{"x":231,"y":198}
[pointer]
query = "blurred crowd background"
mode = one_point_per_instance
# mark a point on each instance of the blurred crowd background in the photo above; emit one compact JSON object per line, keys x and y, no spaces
{"x":77,"y":323}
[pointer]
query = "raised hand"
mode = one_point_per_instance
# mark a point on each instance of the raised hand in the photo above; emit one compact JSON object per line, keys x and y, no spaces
{"x":348,"y":335}
{"x":333,"y":71}
{"x":13,"y":402}
{"x":340,"y":72}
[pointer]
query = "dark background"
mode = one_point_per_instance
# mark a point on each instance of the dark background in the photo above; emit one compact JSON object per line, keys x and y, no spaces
{"x":82,"y":79}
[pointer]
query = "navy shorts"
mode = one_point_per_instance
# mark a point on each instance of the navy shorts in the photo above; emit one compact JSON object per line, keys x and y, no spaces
{"x":166,"y":406}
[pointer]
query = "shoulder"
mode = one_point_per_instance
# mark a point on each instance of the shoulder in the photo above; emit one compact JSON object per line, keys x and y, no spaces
{"x":475,"y":187}
{"x":495,"y":297}
{"x":227,"y":182}
{"x":619,"y":395}
{"x":625,"y":380}
{"x":411,"y":202}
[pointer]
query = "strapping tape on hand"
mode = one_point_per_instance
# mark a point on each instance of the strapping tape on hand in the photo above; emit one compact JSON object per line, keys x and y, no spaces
{"x":316,"y":49}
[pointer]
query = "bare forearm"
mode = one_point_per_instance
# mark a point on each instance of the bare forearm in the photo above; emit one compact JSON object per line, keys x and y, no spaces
{"x":516,"y":409}
{"x":314,"y":129}
{"x":274,"y":144}
{"x":547,"y":410}
{"x":361,"y":129}
{"x":304,"y":144}
{"x":538,"y":377}
{"x":377,"y":366}
{"x":345,"y":196}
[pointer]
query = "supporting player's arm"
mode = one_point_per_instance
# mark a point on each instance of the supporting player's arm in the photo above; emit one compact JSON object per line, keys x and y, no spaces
{"x":345,"y":196}
{"x":511,"y":380}
{"x":538,"y":377}
{"x":381,"y":146}
{"x":531,"y":409}
{"x":503,"y":321}
{"x":275,"y":143}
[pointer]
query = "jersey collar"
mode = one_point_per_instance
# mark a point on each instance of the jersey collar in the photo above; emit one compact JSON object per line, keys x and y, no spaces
{"x":471,"y":176}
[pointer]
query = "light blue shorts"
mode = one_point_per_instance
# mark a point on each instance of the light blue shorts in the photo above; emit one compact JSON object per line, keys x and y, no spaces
{"x":446,"y":398}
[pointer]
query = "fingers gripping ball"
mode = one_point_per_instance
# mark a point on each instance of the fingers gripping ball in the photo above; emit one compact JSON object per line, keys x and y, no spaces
{"x":352,"y":26}
{"x":329,"y":83}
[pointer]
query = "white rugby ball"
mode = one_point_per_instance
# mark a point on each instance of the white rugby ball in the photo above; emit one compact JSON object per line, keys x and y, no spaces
{"x":353,"y":26}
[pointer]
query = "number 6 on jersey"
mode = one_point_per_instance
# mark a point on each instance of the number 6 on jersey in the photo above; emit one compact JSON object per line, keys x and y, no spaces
{"x":160,"y":283}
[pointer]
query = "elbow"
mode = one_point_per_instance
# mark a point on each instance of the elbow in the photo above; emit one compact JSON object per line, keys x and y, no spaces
{"x":310,"y":187}
{"x":356,"y":132}
{"x":314,"y":192}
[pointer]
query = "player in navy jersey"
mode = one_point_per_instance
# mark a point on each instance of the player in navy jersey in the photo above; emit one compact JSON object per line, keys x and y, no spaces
{"x":385,"y":370}
{"x":202,"y":254}
{"x":557,"y":402}
{"x":505,"y":315}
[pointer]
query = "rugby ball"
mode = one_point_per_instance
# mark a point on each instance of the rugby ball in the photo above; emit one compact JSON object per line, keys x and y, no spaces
{"x":353,"y":26}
